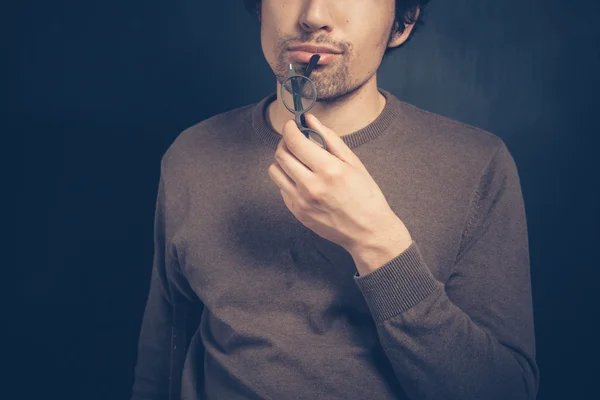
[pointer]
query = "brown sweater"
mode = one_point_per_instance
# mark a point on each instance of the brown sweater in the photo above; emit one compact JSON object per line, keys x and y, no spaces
{"x":283,"y":313}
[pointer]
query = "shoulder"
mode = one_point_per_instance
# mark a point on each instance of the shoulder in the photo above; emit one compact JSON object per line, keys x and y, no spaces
{"x":203,"y":136}
{"x":446,"y":131}
{"x":449,"y":143}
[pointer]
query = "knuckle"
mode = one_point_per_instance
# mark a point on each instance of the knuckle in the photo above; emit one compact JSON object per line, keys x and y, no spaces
{"x":277,"y":156}
{"x":331,"y":173}
{"x":314,"y":195}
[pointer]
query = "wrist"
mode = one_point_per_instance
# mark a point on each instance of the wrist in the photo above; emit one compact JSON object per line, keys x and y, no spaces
{"x":377,"y":250}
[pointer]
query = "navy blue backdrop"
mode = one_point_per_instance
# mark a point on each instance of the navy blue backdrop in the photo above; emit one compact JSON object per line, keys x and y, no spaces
{"x":97,"y":91}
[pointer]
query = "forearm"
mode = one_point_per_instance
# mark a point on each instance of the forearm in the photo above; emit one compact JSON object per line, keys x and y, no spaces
{"x":436,"y":349}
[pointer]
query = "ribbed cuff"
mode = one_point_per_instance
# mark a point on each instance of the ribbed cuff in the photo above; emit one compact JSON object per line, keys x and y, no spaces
{"x":398,"y":285}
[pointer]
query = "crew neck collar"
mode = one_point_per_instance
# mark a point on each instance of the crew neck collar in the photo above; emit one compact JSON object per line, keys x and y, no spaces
{"x":383,"y":121}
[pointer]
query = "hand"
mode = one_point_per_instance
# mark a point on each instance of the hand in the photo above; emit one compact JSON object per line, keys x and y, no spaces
{"x":330,"y":191}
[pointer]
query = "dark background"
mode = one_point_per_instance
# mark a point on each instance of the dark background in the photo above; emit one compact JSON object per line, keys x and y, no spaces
{"x":97,"y":91}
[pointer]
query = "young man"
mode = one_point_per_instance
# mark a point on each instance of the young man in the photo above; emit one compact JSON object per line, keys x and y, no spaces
{"x":392,"y":265}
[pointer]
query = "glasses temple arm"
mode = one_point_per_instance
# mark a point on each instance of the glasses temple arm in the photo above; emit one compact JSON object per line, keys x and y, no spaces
{"x":311,"y":64}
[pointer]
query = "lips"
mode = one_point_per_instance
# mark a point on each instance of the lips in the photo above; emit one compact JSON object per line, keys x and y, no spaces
{"x":302,"y":53}
{"x":304,"y":57}
{"x":315,"y":49}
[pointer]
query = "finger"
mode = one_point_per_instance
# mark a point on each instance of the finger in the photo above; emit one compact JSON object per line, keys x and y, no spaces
{"x":281,"y":179}
{"x":295,"y":169}
{"x":335,"y":144}
{"x":313,"y":156}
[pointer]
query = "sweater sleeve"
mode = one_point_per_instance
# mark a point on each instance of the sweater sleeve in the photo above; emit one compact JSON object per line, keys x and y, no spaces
{"x":471,"y":337}
{"x":163,"y":338}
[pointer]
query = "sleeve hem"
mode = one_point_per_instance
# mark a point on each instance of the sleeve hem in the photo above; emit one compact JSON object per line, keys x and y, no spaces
{"x":398,"y":285}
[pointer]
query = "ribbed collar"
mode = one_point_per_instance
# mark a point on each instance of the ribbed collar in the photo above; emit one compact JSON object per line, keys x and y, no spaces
{"x":271,"y":138}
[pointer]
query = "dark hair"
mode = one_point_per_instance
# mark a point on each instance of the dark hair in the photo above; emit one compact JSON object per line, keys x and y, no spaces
{"x":404,"y":13}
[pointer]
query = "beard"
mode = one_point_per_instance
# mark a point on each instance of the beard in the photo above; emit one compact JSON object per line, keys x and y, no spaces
{"x":333,"y":82}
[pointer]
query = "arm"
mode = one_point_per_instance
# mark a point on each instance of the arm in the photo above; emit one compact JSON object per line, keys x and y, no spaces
{"x":163,"y":336}
{"x":472,"y":337}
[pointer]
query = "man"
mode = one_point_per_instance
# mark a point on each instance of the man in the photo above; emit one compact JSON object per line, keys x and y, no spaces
{"x":393,"y":264}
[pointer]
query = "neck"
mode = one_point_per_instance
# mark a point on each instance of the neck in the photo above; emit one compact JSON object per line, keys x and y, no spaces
{"x":344,"y":117}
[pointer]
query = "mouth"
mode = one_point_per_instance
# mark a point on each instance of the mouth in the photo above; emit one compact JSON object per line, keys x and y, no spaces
{"x":304,"y":57}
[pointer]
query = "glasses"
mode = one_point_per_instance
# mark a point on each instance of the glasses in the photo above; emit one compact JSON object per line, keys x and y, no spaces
{"x":304,"y":96}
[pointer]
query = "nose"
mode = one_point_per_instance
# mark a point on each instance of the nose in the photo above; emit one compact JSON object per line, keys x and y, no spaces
{"x":315,"y":16}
